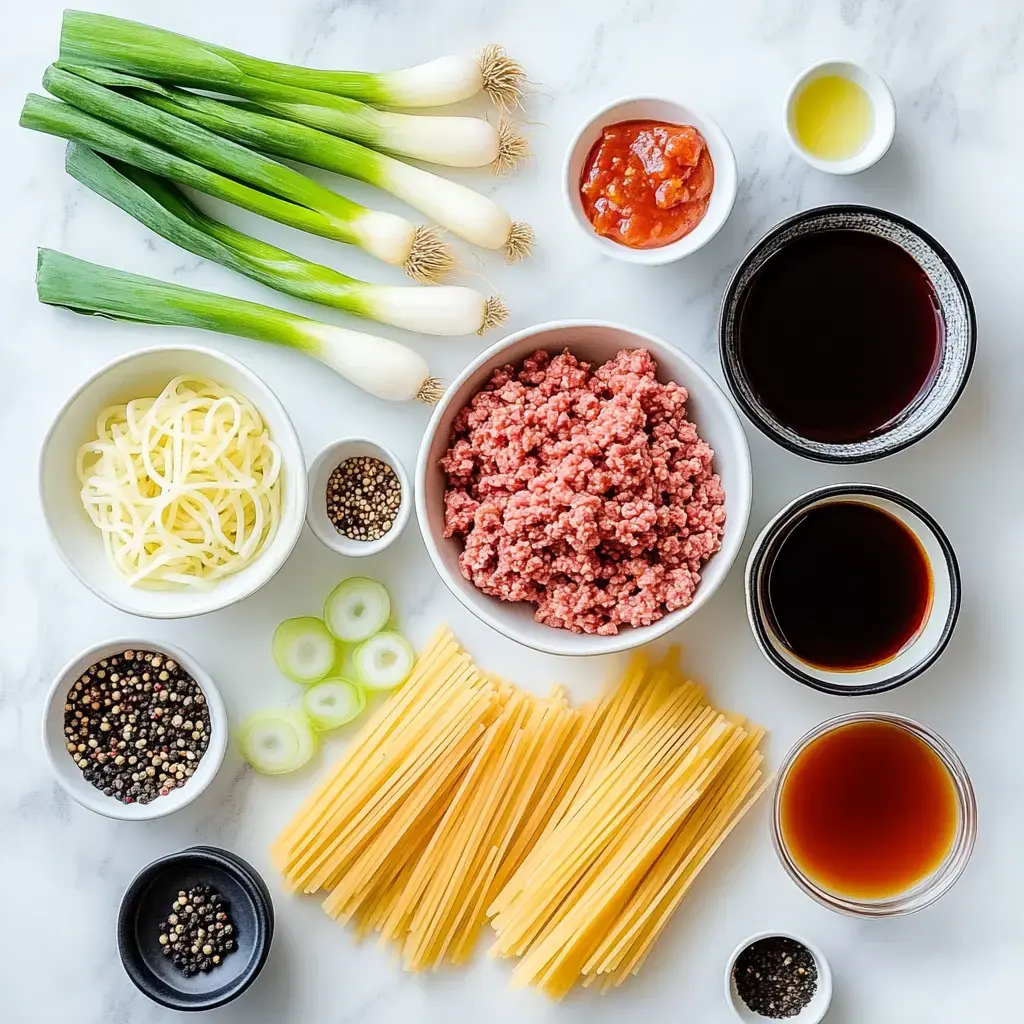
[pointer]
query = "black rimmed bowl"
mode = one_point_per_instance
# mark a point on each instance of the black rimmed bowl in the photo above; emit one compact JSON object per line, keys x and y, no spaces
{"x":956,"y":355}
{"x":920,"y":652}
{"x":148,"y":901}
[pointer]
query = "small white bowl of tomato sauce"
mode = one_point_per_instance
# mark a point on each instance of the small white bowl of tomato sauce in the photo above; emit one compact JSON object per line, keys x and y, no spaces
{"x":650,"y":180}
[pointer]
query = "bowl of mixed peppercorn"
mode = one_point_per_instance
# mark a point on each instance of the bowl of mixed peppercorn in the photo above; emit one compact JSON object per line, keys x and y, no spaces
{"x":194,"y":928}
{"x":359,"y":497}
{"x":134,"y":730}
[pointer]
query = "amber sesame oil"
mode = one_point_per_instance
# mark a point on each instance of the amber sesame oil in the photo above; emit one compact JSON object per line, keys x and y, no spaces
{"x":832,"y":117}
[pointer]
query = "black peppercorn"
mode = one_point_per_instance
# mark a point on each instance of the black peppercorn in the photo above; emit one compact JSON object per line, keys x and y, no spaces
{"x":363,"y":498}
{"x":187,"y":935}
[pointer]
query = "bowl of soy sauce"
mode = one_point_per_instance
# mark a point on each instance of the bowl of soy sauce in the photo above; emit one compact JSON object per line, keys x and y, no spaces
{"x":852,"y":589}
{"x":847,"y":334}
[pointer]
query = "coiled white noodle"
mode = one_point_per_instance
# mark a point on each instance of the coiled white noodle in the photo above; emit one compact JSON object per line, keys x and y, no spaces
{"x":184,"y":487}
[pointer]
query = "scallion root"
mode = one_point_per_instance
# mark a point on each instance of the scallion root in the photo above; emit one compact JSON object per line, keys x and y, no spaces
{"x":495,"y":313}
{"x":519,"y":243}
{"x":503,"y":77}
{"x":512,"y":148}
{"x":431,"y":259}
{"x":430,"y":391}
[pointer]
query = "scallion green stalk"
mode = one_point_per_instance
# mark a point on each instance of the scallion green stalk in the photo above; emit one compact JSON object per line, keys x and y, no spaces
{"x":452,"y":141}
{"x":279,"y":192}
{"x":156,"y":203}
{"x":155,"y":53}
{"x":468,"y":214}
{"x":378,"y":365}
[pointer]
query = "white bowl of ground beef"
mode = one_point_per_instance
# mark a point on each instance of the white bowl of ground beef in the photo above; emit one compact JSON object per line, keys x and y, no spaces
{"x":583,"y":487}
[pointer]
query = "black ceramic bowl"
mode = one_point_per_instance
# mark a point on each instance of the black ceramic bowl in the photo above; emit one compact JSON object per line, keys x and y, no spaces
{"x":956,"y":356}
{"x":148,"y":901}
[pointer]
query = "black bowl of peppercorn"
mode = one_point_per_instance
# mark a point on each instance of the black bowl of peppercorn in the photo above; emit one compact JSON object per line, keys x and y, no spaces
{"x":134,"y":730}
{"x":195,"y":928}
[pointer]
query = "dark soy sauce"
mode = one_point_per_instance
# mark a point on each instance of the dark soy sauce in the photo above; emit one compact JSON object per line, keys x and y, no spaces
{"x":839,"y":333}
{"x":848,"y":586}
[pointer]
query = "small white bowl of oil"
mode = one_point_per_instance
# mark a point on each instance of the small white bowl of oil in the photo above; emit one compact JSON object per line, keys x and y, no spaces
{"x":840,"y":116}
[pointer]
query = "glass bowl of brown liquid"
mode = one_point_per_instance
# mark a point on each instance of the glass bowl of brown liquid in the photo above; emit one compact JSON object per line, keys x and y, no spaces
{"x":874,"y":815}
{"x":847,"y":333}
{"x":852,"y":589}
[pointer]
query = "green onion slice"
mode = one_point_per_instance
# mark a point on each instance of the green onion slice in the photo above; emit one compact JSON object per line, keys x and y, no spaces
{"x":276,"y":742}
{"x":357,"y":608}
{"x":384,"y":661}
{"x":303,"y":649}
{"x":333,"y":703}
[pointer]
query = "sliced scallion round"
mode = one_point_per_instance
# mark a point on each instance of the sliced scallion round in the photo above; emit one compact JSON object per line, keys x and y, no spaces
{"x":278,"y":741}
{"x":384,"y":661}
{"x":333,"y":702}
{"x":357,"y":608}
{"x":303,"y":649}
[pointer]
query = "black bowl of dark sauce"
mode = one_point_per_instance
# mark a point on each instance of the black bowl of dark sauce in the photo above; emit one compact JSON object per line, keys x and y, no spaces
{"x":847,"y":333}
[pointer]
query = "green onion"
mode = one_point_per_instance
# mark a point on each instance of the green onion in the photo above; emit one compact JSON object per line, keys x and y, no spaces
{"x":273,"y":190}
{"x":453,"y":141}
{"x":155,"y":53}
{"x":467,"y":213}
{"x":378,"y":365}
{"x":156,"y":203}
{"x":277,"y":742}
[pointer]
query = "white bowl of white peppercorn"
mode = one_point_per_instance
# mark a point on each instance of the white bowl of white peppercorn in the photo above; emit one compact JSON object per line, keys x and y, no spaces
{"x":783,"y":988}
{"x":122,"y":717}
{"x":351,"y":493}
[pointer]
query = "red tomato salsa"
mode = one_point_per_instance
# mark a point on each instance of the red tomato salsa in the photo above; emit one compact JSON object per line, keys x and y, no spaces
{"x":646,"y":184}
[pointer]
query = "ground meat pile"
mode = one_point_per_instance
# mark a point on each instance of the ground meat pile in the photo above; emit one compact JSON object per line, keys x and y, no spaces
{"x":584,"y":491}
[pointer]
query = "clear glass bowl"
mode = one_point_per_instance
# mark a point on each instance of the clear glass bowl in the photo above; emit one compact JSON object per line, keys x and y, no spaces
{"x":929,"y":889}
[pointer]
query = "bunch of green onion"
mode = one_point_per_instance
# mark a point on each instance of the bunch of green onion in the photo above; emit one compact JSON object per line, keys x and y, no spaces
{"x":136,"y":134}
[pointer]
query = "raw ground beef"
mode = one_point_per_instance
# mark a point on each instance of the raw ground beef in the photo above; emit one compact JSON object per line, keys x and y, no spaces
{"x":584,"y":491}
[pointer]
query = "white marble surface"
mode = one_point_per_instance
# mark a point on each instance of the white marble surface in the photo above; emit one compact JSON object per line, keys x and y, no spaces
{"x":957,"y":73}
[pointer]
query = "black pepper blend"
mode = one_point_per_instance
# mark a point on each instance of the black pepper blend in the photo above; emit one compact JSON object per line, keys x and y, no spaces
{"x":776,"y":977}
{"x":198,"y":932}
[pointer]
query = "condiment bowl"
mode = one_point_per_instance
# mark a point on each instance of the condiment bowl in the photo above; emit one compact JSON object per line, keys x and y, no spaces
{"x":148,"y":901}
{"x":956,"y":350}
{"x":653,"y":108}
{"x":812,"y":1013}
{"x":883,"y":128}
{"x":920,"y":652}
{"x":137,"y":375}
{"x":70,"y":776}
{"x":316,"y":505}
{"x":929,"y":889}
{"x":596,"y":342}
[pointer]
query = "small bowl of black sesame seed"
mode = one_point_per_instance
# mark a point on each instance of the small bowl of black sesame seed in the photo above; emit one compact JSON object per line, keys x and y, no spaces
{"x":134,"y":730}
{"x":778,"y":976}
{"x":195,"y":928}
{"x":359,"y":497}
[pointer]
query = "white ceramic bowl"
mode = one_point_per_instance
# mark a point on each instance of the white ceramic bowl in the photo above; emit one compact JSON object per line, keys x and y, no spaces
{"x":70,"y":776}
{"x":316,"y":506}
{"x":921,"y":651}
{"x":812,"y":1013}
{"x":78,"y":542}
{"x":653,"y":108}
{"x":884,"y":109}
{"x":596,"y":342}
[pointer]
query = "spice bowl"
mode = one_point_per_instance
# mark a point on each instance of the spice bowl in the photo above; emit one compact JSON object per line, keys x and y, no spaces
{"x":70,"y":776}
{"x":317,"y":514}
{"x":149,"y":900}
{"x":816,"y":1007}
{"x":653,"y":108}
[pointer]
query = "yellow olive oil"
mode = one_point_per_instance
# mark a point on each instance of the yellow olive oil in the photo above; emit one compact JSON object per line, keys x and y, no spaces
{"x":832,"y":117}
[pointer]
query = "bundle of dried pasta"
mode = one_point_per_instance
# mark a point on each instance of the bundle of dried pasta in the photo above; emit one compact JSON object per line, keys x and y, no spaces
{"x":666,"y":778}
{"x":577,"y":830}
{"x":385,"y":795}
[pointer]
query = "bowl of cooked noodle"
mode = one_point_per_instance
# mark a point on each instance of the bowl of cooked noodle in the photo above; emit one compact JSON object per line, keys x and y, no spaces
{"x":173,"y":482}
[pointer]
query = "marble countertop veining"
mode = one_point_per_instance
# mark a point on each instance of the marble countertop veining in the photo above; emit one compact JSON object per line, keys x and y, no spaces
{"x":957,"y":73}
